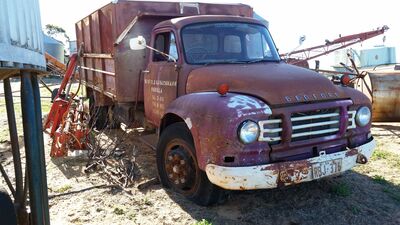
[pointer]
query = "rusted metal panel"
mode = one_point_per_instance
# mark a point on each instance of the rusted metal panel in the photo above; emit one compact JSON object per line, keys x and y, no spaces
{"x":383,"y":89}
{"x":86,"y":38}
{"x":222,"y":9}
{"x":129,"y":64}
{"x":107,"y":28}
{"x":215,"y":136}
{"x":159,"y":94}
{"x":95,"y":33}
{"x":100,"y":30}
{"x":240,"y":78}
{"x":109,"y":79}
{"x":287,"y":173}
{"x":21,"y":36}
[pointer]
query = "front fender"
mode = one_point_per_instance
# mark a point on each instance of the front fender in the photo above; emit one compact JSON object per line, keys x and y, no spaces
{"x":213,"y":121}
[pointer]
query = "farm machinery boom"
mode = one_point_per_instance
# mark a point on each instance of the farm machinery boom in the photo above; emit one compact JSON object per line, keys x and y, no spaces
{"x":300,"y":57}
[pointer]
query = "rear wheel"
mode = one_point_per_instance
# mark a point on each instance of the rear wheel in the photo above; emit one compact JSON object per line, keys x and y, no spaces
{"x":178,"y":168}
{"x":102,"y":116}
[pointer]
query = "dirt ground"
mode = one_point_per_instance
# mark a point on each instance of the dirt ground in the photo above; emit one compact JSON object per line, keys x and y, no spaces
{"x":368,"y":194}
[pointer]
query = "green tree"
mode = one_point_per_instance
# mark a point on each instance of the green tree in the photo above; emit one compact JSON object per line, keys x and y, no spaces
{"x":54,"y":30}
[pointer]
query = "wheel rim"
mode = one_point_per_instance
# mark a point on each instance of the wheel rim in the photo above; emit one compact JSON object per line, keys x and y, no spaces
{"x":180,"y":167}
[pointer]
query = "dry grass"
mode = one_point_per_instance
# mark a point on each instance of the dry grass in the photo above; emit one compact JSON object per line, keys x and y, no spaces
{"x":64,"y":188}
{"x":15,"y":86}
{"x":389,"y":157}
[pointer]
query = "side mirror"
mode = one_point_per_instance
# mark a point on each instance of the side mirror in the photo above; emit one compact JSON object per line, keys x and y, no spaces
{"x":137,"y":43}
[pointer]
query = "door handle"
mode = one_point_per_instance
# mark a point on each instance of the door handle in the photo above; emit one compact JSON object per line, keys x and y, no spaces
{"x":145,"y":71}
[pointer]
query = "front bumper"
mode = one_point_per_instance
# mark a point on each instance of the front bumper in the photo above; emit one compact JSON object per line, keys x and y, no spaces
{"x":285,"y":173}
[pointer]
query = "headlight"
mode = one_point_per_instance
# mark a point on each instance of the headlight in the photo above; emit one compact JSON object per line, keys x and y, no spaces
{"x":363,"y":116}
{"x":248,"y":132}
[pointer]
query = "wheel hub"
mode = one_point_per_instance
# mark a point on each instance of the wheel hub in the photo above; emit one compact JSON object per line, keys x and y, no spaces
{"x":179,"y":169}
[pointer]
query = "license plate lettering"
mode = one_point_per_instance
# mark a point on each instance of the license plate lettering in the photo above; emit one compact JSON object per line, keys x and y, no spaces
{"x":326,"y":168}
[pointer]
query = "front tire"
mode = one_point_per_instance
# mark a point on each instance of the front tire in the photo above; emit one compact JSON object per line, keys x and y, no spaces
{"x":178,"y":167}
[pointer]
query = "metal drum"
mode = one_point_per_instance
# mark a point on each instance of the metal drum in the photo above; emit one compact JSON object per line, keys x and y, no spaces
{"x":383,"y":89}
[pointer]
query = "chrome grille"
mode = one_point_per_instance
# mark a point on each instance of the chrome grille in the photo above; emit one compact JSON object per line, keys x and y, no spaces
{"x":270,"y":130}
{"x":314,"y":124}
{"x":352,"y":120}
{"x":305,"y":125}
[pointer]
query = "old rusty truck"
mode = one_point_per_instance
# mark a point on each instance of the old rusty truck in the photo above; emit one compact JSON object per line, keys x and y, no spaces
{"x":228,"y":112}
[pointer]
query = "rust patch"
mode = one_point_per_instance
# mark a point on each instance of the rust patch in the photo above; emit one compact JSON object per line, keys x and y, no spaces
{"x":289,"y":172}
{"x":352,"y":152}
{"x":293,"y":175}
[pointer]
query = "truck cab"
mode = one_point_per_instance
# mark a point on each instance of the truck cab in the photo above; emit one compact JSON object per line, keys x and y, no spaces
{"x":186,"y":44}
{"x":229,"y":113}
{"x":232,"y":115}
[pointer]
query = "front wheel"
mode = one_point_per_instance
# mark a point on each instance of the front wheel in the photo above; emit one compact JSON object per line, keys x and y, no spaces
{"x":178,"y":168}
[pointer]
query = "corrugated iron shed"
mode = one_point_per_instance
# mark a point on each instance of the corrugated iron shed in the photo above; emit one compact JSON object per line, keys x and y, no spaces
{"x":21,"y":38}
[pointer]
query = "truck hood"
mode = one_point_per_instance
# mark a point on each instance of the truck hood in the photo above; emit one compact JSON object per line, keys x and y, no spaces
{"x":275,"y":83}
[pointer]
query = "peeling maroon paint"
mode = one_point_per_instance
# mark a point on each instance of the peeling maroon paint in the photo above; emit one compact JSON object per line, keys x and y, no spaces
{"x":352,"y":152}
{"x":215,"y":128}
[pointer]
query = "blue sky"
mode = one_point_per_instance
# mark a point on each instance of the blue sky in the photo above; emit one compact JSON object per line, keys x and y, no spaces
{"x":288,"y":19}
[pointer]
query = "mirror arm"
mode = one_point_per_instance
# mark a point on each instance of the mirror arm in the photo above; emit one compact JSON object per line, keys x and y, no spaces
{"x":162,"y":53}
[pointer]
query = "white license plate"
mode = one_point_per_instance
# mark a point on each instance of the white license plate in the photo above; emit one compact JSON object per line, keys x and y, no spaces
{"x":326,"y":168}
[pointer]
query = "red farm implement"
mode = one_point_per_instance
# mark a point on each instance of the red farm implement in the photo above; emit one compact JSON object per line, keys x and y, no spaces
{"x":66,"y":122}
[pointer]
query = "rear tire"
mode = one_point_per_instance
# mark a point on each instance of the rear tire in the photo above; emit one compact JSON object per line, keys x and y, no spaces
{"x":178,"y":167}
{"x":102,"y":117}
{"x":7,"y":212}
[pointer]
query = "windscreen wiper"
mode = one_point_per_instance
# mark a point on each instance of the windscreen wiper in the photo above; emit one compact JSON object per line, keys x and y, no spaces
{"x":225,"y":62}
{"x":261,"y":60}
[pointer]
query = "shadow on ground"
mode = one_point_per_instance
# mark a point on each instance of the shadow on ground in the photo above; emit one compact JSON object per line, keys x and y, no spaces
{"x":348,"y":199}
{"x":71,"y":167}
{"x":392,"y":129}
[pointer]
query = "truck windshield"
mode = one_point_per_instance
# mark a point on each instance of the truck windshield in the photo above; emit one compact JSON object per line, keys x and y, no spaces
{"x":227,"y":42}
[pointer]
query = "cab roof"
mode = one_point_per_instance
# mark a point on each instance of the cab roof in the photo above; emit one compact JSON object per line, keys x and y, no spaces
{"x":180,"y":22}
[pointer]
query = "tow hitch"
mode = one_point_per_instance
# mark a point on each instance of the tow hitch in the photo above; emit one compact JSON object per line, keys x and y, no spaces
{"x":361,"y":159}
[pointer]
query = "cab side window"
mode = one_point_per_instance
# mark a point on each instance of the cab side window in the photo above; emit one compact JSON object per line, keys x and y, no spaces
{"x":166,"y":43}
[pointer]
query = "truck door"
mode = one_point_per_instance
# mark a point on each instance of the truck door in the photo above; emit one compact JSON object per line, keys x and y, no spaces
{"x":160,"y":79}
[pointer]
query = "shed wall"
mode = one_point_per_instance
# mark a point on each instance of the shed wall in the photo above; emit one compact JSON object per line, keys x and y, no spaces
{"x":21,"y":38}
